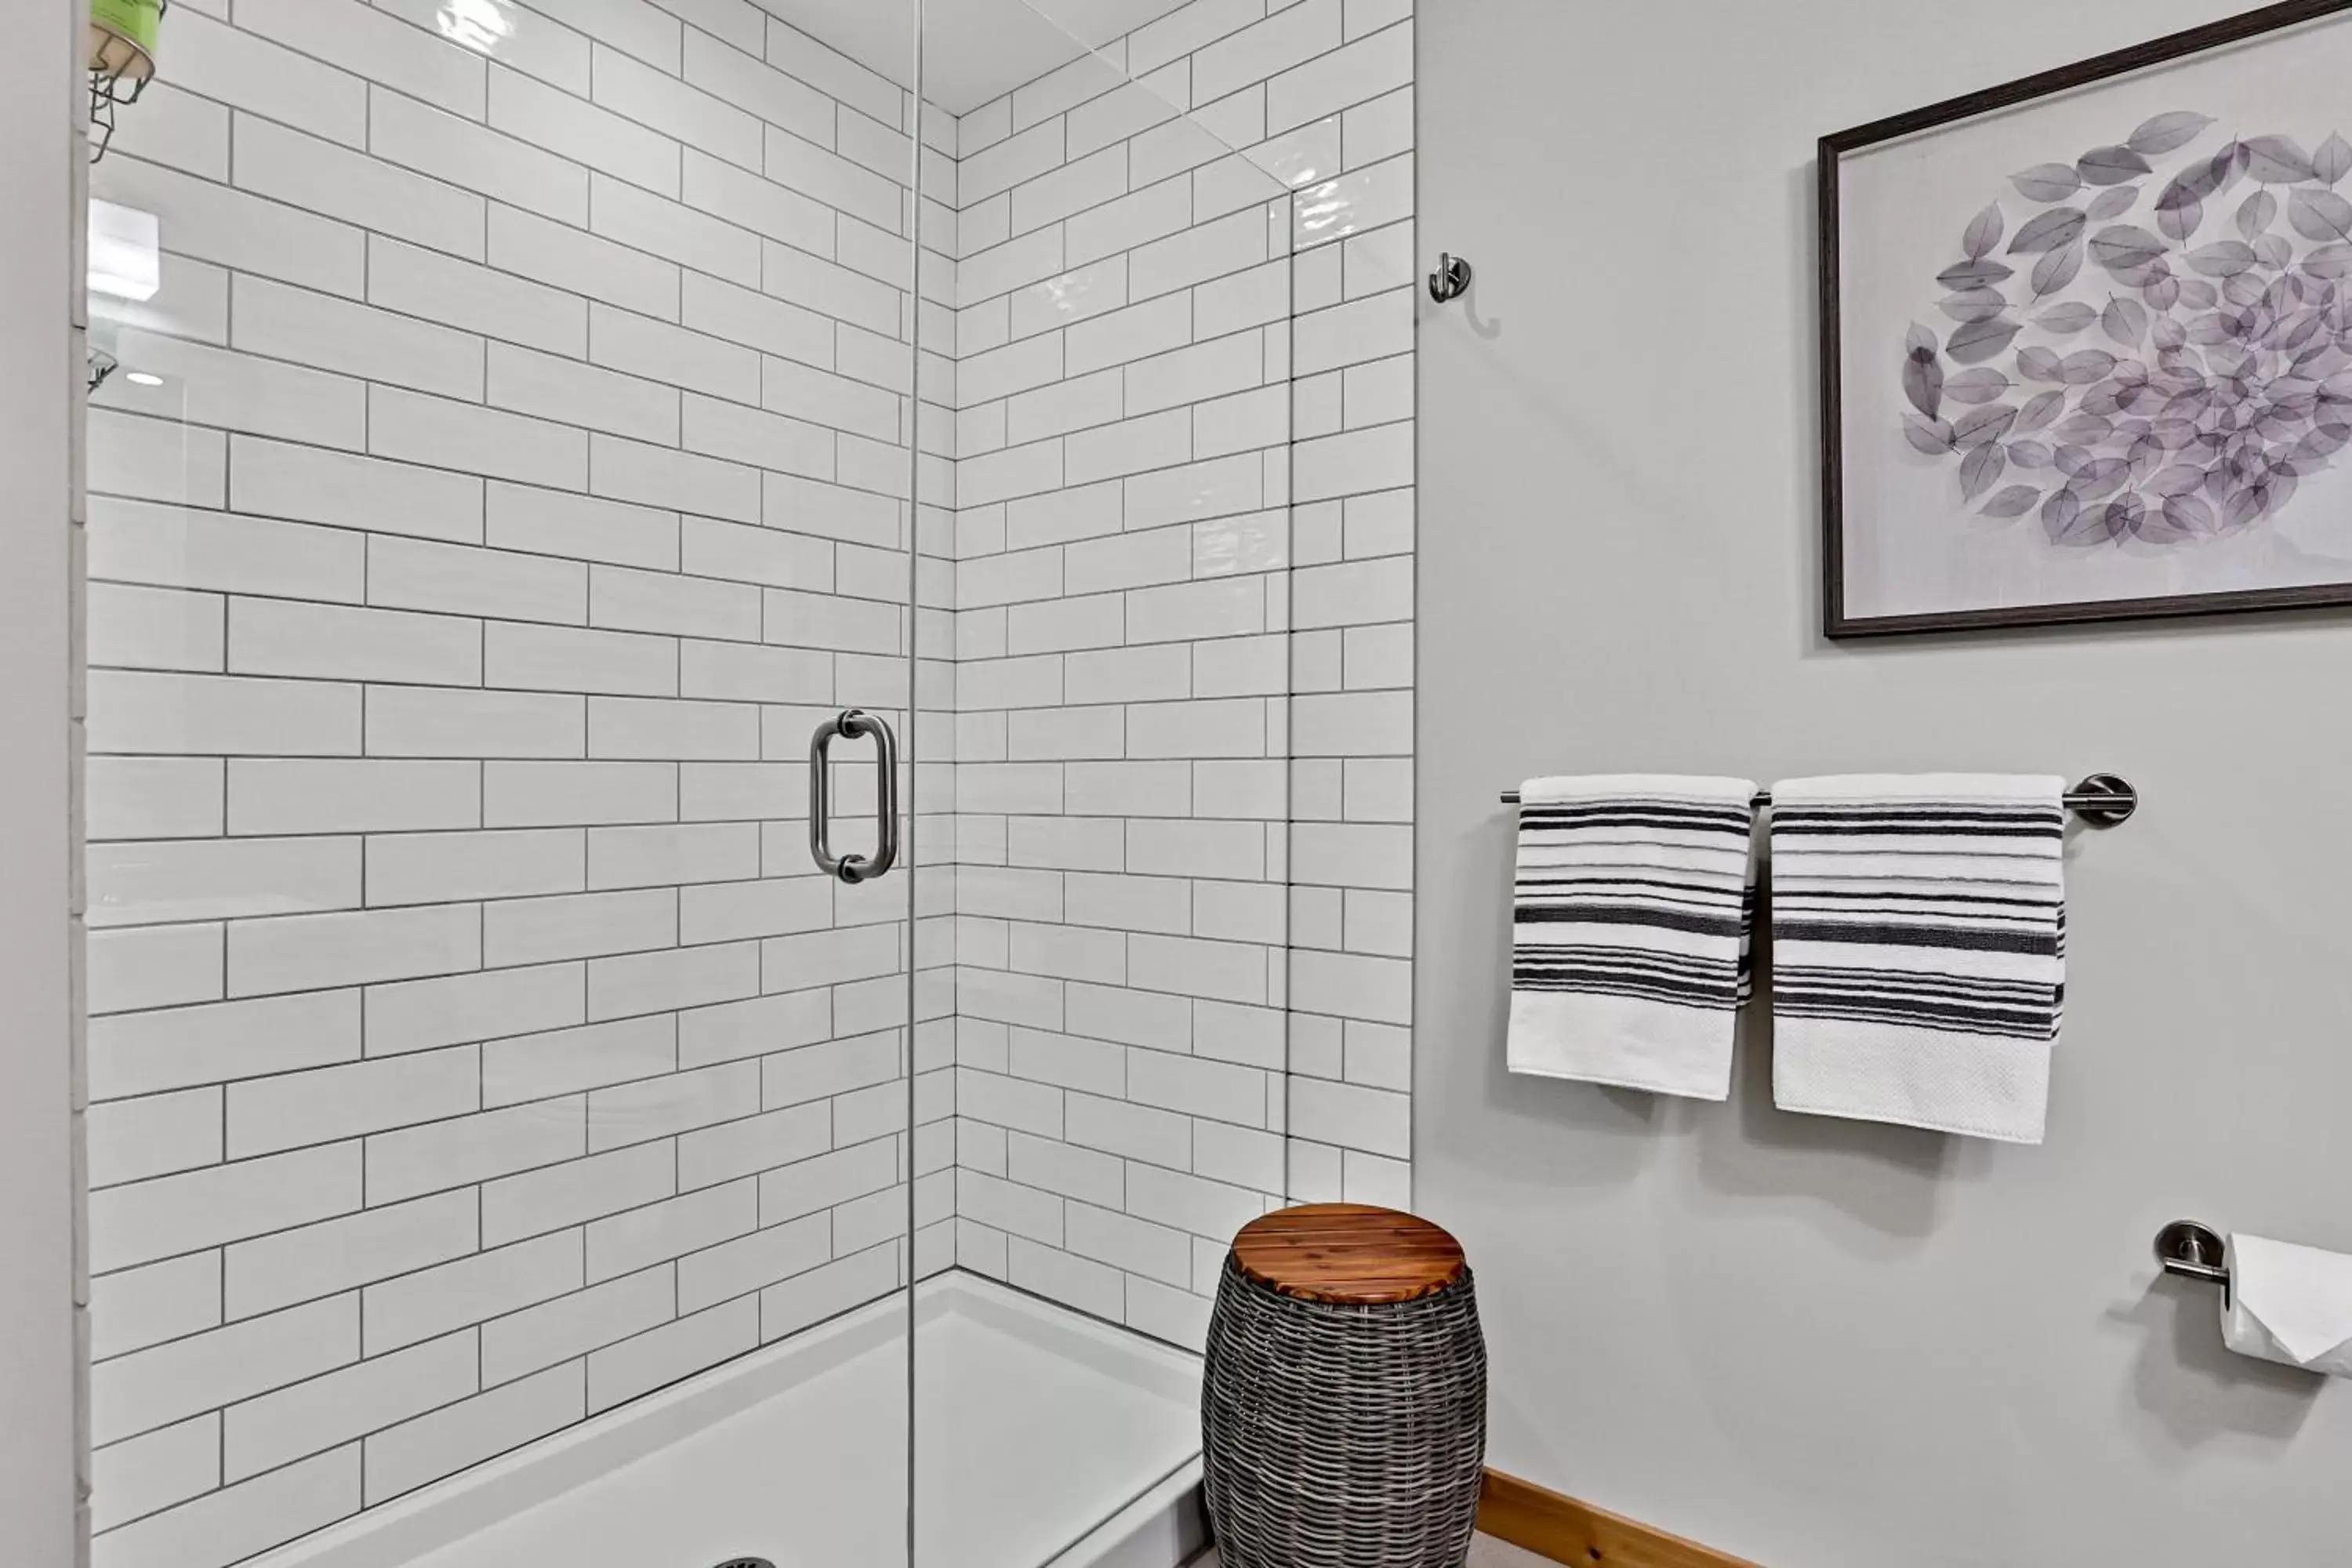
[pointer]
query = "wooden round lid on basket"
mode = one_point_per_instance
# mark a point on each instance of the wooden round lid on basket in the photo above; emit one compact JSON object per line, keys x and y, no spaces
{"x":1349,"y":1255}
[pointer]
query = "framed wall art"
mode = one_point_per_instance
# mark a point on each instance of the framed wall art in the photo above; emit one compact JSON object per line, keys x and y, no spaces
{"x":2087,"y":339}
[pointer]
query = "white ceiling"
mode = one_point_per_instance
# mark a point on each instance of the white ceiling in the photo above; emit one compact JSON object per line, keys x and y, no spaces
{"x":973,"y":50}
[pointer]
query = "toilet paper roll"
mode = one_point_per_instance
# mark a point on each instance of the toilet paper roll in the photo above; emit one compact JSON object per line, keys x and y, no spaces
{"x":2289,"y":1304}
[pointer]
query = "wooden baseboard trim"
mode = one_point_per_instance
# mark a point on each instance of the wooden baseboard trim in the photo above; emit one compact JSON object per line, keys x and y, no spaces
{"x":1538,"y":1520}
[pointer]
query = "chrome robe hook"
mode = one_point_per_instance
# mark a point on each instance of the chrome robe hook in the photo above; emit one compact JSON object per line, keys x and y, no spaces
{"x":1451,"y":278}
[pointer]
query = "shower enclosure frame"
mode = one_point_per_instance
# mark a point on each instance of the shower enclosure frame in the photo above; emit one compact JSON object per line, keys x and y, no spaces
{"x":44,"y":1459}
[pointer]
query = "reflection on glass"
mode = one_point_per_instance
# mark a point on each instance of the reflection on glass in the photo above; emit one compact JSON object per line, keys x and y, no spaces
{"x":1325,"y":212}
{"x":480,"y":25}
{"x":125,"y":252}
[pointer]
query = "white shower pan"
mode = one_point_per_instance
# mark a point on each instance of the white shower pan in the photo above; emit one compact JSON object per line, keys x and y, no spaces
{"x":1045,"y":1437}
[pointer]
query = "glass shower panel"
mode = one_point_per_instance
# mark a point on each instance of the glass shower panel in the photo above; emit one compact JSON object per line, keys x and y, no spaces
{"x":507,"y":472}
{"x":1116,"y":330}
{"x":559,"y":451}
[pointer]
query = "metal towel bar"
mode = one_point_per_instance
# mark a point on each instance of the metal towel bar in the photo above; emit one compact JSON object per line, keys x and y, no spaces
{"x":2103,"y":800}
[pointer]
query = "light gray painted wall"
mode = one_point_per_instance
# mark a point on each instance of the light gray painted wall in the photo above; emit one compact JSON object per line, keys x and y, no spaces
{"x":1815,"y":1342}
{"x":40,"y":351}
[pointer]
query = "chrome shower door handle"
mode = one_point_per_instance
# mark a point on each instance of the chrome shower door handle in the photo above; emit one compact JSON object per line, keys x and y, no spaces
{"x":854,"y":722}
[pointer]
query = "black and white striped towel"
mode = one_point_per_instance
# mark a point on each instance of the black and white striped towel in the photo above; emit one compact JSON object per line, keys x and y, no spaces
{"x":1918,"y":949}
{"x":1629,"y":947}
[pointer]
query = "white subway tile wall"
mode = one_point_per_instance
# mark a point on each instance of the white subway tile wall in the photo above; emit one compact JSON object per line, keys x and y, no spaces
{"x":473,"y":1045}
{"x":1184,"y":543}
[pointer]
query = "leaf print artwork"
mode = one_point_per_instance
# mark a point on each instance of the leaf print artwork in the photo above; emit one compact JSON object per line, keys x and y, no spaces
{"x":2048,"y":183}
{"x":2277,"y":161}
{"x":2112,"y":202}
{"x":2254,"y":215}
{"x":1979,"y":385}
{"x":2160,"y":352}
{"x":2051,"y":231}
{"x":2124,"y":248}
{"x":2222,"y":259}
{"x":2110,"y":165}
{"x":1983,"y":232}
{"x":2065,"y":321}
{"x":2055,"y":270}
{"x":1976,"y":340}
{"x":2320,"y":215}
{"x":2168,"y":132}
{"x":2333,"y":160}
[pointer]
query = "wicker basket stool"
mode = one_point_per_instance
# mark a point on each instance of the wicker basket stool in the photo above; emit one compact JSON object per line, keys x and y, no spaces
{"x":1343,"y":1409}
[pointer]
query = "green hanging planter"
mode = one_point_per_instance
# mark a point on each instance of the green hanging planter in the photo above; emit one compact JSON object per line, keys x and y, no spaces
{"x":122,"y":60}
{"x":123,"y":37}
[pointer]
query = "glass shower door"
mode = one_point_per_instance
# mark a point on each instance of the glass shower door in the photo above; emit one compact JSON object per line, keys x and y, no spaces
{"x":566,"y":449}
{"x":506,"y":472}
{"x":842,"y":135}
{"x":1115,"y":193}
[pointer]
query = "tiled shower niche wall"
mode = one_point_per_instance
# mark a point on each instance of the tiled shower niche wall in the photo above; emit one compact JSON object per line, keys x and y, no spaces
{"x":1184,"y":602}
{"x":475,"y":1047}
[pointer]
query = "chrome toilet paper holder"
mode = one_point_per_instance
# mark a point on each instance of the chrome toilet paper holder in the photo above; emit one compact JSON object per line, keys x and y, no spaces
{"x":2190,"y":1249}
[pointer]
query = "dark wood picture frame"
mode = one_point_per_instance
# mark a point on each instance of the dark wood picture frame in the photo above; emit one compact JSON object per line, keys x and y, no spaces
{"x":1837,"y":622}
